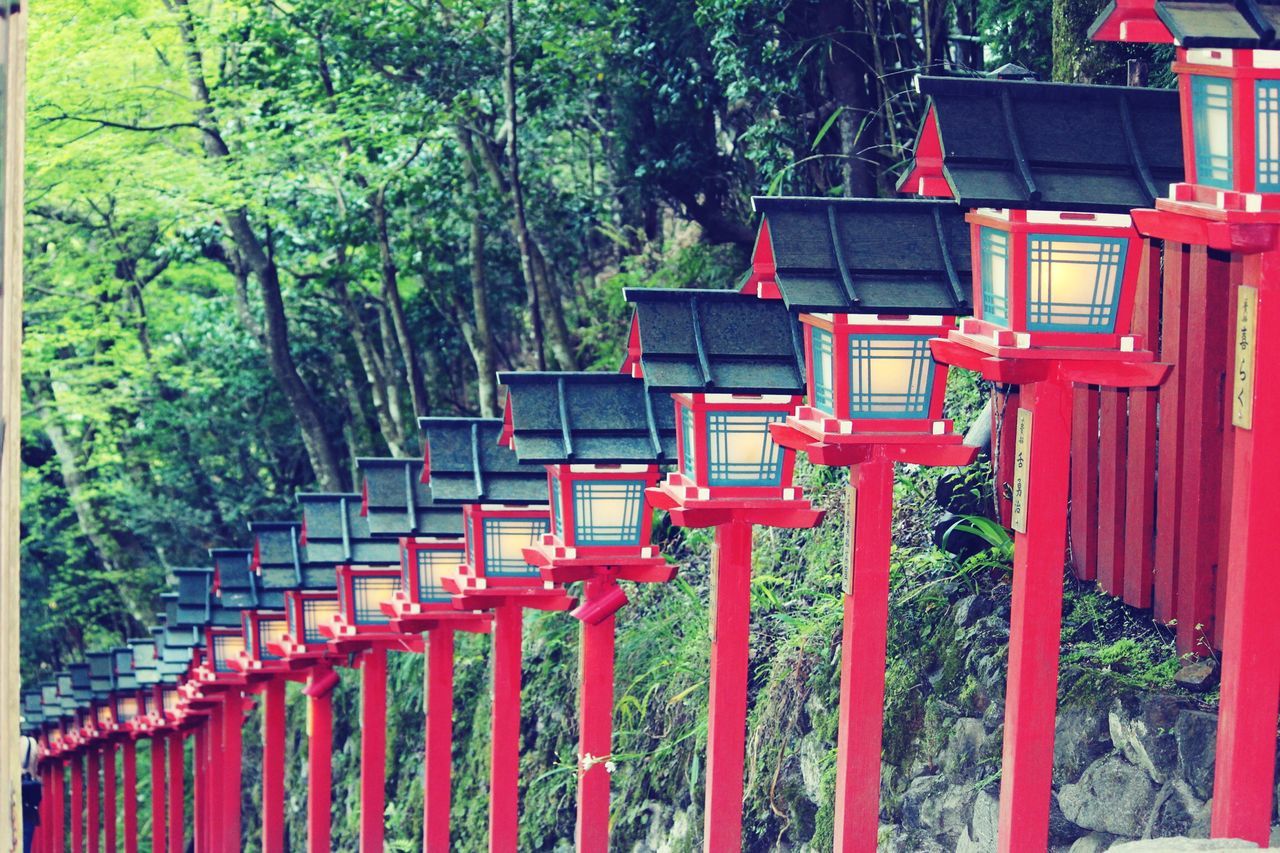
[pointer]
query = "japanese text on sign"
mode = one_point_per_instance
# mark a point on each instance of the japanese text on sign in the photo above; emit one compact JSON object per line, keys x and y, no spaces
{"x":1246,"y":336}
{"x":1021,"y":470}
{"x":851,"y":518}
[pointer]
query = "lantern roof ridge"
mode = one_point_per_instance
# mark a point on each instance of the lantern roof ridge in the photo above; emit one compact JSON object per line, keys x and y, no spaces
{"x":277,"y":553}
{"x":1031,"y":145}
{"x":868,"y":255}
{"x":1246,"y":24}
{"x":396,"y":502}
{"x":588,"y":417}
{"x":466,"y":464}
{"x":717,"y":341}
{"x":337,"y":534}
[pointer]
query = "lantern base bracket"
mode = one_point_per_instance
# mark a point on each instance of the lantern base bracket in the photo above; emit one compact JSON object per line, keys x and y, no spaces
{"x":842,"y":449}
{"x":557,"y":567}
{"x":692,"y":506}
{"x":1018,"y":366}
{"x":412,"y":617}
{"x":466,"y":597}
{"x":1219,"y":224}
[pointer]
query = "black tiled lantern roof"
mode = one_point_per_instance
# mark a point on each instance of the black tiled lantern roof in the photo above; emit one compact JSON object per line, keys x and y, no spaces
{"x":102,"y":673}
{"x":32,"y":710}
{"x":467,"y":465}
{"x":871,"y":256}
{"x":145,"y":660}
{"x":122,"y":661}
{"x":194,"y":587}
{"x":237,"y":586}
{"x":717,"y":341}
{"x":81,"y":683}
{"x":588,"y":417}
{"x":1055,"y":146}
{"x":279,"y":553}
{"x":336,"y":535}
{"x":1214,"y":23}
{"x":398,"y":503}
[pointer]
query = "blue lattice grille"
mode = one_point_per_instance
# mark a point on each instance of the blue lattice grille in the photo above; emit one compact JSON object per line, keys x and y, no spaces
{"x":316,"y":612}
{"x":557,"y":510}
{"x":741,"y":452}
{"x":1211,"y":116}
{"x":823,"y":371}
{"x":994,"y":250}
{"x":1075,"y":282}
{"x":608,"y":513}
{"x":890,"y":376}
{"x":432,"y":567}
{"x":226,"y":649}
{"x":1267,"y":104}
{"x":270,"y":631}
{"x":504,"y":542}
{"x":369,"y":595}
{"x":687,"y":439}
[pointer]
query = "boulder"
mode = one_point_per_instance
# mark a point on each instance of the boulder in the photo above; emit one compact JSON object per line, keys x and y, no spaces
{"x":980,"y":835}
{"x":959,"y":758}
{"x":1112,"y":796}
{"x":1079,"y":737}
{"x":1143,"y":731}
{"x":1183,"y":845}
{"x":933,"y":806}
{"x":970,"y":609}
{"x":1198,"y":676}
{"x":1174,"y":811}
{"x":1094,"y":842}
{"x":1196,"y":734}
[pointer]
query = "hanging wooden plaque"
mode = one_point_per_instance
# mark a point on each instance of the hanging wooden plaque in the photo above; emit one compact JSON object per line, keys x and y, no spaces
{"x":851,"y":519}
{"x":1246,"y":335}
{"x":1021,"y":470}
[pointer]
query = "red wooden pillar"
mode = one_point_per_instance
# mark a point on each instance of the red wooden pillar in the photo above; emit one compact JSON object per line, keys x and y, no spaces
{"x":595,"y":733}
{"x":319,"y":693}
{"x":93,"y":788}
{"x":1228,"y":460}
{"x":862,"y":658}
{"x":504,"y":761}
{"x":1113,"y":448}
{"x":1203,"y":368}
{"x":158,"y":796}
{"x":1084,"y":482}
{"x":230,"y":772}
{"x":60,"y":807}
{"x":129,"y":791}
{"x":438,"y":762}
{"x":727,"y":714}
{"x":1173,"y":332}
{"x":1245,"y":768}
{"x":1035,"y":624}
{"x":200,"y":786}
{"x":273,"y":764}
{"x":77,"y":804}
{"x":176,"y":792}
{"x":373,"y":749}
{"x":215,"y":767}
{"x":1140,"y":474}
{"x":109,"y":798}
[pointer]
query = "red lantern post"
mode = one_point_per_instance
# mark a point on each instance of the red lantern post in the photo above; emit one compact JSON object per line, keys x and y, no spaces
{"x":504,"y":511}
{"x":1222,"y":229}
{"x":734,"y":365}
{"x":601,"y":438}
{"x":875,"y":398}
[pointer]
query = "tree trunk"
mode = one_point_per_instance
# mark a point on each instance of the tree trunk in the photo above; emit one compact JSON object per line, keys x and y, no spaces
{"x":476,"y":329}
{"x":302,"y":403}
{"x":391,"y":294}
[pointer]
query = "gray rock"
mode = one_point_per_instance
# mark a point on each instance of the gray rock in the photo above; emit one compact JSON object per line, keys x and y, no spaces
{"x":993,"y":716}
{"x":980,"y":835}
{"x":1079,"y":736}
{"x":1183,"y":845}
{"x":1143,"y":731}
{"x":1094,"y":842}
{"x":898,"y":841}
{"x":1112,"y":796}
{"x":970,"y":609}
{"x":1202,"y":823}
{"x":1198,"y":676}
{"x":959,"y":758}
{"x":1174,"y":811}
{"x":811,"y":767}
{"x":932,"y":805}
{"x":1196,"y":733}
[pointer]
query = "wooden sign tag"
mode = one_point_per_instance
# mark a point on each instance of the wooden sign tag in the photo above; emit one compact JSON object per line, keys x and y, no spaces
{"x":851,"y":519}
{"x":1246,"y":336}
{"x":715,"y":589}
{"x":1021,"y":470}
